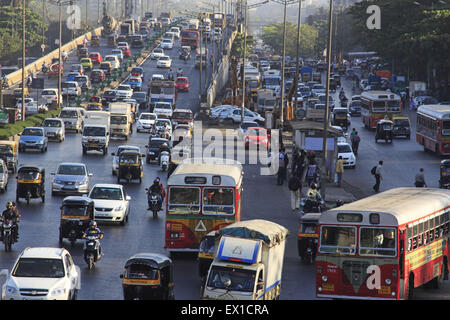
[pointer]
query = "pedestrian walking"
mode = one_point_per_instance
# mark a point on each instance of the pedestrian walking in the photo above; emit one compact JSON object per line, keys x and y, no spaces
{"x":339,"y":170}
{"x":353,"y":132}
{"x":355,"y":139}
{"x":295,"y":188}
{"x":312,"y":172}
{"x":376,"y":171}
{"x":282,"y":166}
{"x":419,"y":180}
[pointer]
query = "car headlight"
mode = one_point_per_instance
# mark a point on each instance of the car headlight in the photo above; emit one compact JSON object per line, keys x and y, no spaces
{"x":80,"y":183}
{"x":58,"y":182}
{"x":58,"y":292}
{"x":119,"y":208}
{"x":11,"y":290}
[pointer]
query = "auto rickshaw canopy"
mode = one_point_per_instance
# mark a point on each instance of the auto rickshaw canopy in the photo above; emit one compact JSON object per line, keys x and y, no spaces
{"x":77,"y":201}
{"x":30,"y":172}
{"x":6,"y":145}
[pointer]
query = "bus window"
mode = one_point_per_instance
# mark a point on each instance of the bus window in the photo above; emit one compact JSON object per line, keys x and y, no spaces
{"x":436,"y":227}
{"x":420,"y":242}
{"x":379,"y":107}
{"x":414,"y":237}
{"x":377,"y":241}
{"x":410,"y":236}
{"x":393,"y":106}
{"x":425,"y":232}
{"x":431,"y":229}
{"x":338,"y":240}
{"x":218,"y":201}
{"x":182,"y":200}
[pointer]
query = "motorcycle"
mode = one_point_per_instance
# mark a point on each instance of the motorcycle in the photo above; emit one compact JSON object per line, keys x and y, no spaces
{"x":164,"y":160}
{"x":92,"y":251}
{"x":154,"y":202}
{"x":8,"y":238}
{"x":44,"y":69}
{"x":312,"y":206}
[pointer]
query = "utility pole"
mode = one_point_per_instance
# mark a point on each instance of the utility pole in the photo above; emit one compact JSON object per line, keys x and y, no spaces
{"x":282,"y":69}
{"x":243,"y":63}
{"x":201,"y":69}
{"x":23,"y":60}
{"x":327,"y":96}
{"x":297,"y":53}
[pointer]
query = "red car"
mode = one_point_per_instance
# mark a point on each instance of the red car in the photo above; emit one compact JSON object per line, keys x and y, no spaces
{"x":257,"y":136}
{"x":95,"y":57}
{"x":126,"y":51}
{"x":182,"y":84}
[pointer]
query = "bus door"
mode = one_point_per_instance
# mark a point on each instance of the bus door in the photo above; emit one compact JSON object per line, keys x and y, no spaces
{"x":401,"y":263}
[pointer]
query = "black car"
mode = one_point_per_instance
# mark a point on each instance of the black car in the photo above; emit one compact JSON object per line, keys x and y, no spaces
{"x":355,"y":108}
{"x":153,"y":147}
{"x":138,"y":72}
{"x":110,"y":96}
{"x":137,"y":42}
{"x":141,"y":99}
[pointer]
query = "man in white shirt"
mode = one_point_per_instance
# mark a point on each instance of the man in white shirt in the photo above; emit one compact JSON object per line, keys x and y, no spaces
{"x":378,"y":176}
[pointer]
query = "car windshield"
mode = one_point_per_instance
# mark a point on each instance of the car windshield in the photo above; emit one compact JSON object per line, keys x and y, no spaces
{"x":162,"y":106}
{"x":68,"y":85}
{"x":106,"y":193}
{"x":135,"y":79}
{"x":157,"y":143}
{"x":81,"y":79}
{"x":109,"y":93}
{"x":182,"y":115}
{"x":119,"y":120}
{"x":48,"y":93}
{"x":257,"y":132}
{"x":247,"y":125}
{"x":158,"y":50}
{"x":232,"y":279}
{"x":401,"y":122}
{"x":182,"y":80}
{"x":94,"y":131}
{"x":72,"y":170}
{"x":75,"y":210}
{"x":147,"y":116}
{"x":139,"y":95}
{"x":344,"y":148}
{"x":28,"y":174}
{"x":126,"y":88}
{"x":340,"y":240}
{"x":33,"y":132}
{"x":164,"y":58}
{"x":136,"y":70}
{"x":68,"y":114}
{"x":52,"y":123}
{"x":39,"y":268}
{"x":183,"y":200}
{"x":6,"y":150}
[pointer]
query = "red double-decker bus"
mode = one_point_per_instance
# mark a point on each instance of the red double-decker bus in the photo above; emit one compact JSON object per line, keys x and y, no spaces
{"x":384,"y":246}
{"x":190,"y":38}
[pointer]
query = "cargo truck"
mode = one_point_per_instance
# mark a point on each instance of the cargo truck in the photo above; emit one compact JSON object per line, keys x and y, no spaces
{"x":248,"y":262}
{"x":120,"y":119}
{"x":266,"y":100}
{"x":95,"y":134}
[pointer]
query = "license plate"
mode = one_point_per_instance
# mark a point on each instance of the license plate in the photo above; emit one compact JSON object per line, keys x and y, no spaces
{"x":328,"y":287}
{"x":384,"y":290}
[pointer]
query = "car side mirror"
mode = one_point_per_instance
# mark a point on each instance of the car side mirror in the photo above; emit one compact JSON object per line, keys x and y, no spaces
{"x":128,"y":198}
{"x":90,"y":174}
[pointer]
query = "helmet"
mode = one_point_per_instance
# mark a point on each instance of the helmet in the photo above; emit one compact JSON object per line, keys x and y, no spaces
{"x":9,"y":204}
{"x":156,"y":181}
{"x":313,"y":186}
{"x":164,"y":145}
{"x":93,"y":224}
{"x":339,"y":203}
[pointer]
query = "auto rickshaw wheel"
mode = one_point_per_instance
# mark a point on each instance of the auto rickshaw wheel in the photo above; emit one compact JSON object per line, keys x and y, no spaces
{"x":43,"y":198}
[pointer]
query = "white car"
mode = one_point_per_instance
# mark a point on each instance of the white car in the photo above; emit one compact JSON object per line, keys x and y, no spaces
{"x":111,"y":203}
{"x":157,"y":76}
{"x":71,"y":88}
{"x":114,"y":61}
{"x":124,"y":91}
{"x":118,"y":53}
{"x":120,"y":149}
{"x":167,"y":44}
{"x":163,"y":109}
{"x":164,"y":62}
{"x":146,"y":121}
{"x":176,"y":32}
{"x":345,"y":150}
{"x":157,"y":53}
{"x":42,"y":274}
{"x":216,"y":111}
{"x":51,"y":95}
{"x":235,"y":116}
{"x":318,"y":89}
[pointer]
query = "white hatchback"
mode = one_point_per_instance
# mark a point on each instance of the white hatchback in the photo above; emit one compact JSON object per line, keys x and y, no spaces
{"x":111,"y":203}
{"x":163,"y":109}
{"x":164,"y":62}
{"x":345,"y":150}
{"x":146,"y":121}
{"x":42,"y":274}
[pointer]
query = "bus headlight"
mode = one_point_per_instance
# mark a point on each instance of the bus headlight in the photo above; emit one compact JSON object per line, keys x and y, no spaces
{"x":388,"y":282}
{"x":324,"y":278}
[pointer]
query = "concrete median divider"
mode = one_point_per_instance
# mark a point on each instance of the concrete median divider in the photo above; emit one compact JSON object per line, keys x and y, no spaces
{"x":16,"y":76}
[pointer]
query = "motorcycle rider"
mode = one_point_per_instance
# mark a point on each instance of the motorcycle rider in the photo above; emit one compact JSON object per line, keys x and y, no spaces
{"x":313,"y":199}
{"x":179,"y":72}
{"x":64,"y":56}
{"x":158,"y":188}
{"x":44,"y":68}
{"x":163,"y":147}
{"x":11,"y":213}
{"x":94,"y":231}
{"x":170,"y":74}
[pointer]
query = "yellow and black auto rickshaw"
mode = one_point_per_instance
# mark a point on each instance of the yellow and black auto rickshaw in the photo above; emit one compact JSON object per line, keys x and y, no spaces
{"x":384,"y":131}
{"x":9,"y":154}
{"x":76,"y":215}
{"x":30,"y":183}
{"x":148,"y":276}
{"x":444,"y":180}
{"x":206,"y":254}
{"x":307,"y":237}
{"x":130,"y":166}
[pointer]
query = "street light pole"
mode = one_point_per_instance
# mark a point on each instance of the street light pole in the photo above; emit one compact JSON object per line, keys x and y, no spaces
{"x":23,"y":60}
{"x":282,"y":68}
{"x":327,"y":97}
{"x":243,"y":63}
{"x":59,"y":55}
{"x":297,"y":53}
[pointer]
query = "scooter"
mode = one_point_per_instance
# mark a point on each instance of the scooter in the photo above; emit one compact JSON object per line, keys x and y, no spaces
{"x":92,"y":251}
{"x":154,"y":202}
{"x":8,"y":234}
{"x":164,"y":160}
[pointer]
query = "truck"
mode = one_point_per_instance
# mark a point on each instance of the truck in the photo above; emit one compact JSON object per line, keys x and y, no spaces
{"x":203,"y":53}
{"x":132,"y":23}
{"x":306,"y":73}
{"x":120,"y":119}
{"x":219,"y":20}
{"x":266,"y":100}
{"x":248,"y":262}
{"x":125,"y":29}
{"x":417,"y":88}
{"x":95,"y":135}
{"x":272,"y":80}
{"x":162,"y":91}
{"x":109,"y":25}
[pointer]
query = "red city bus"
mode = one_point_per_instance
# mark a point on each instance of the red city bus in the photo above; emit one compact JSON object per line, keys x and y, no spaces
{"x":384,"y":246}
{"x":433,"y":128}
{"x":376,"y":105}
{"x":201,"y":197}
{"x":190,"y":38}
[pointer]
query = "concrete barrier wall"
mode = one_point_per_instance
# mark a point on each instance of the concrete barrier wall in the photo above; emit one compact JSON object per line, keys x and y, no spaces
{"x":16,"y":76}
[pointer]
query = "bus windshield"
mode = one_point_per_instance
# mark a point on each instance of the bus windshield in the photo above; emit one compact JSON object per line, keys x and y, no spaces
{"x":377,"y":241}
{"x":218,"y":201}
{"x":393,"y":106}
{"x":184,"y":200}
{"x":341,"y":240}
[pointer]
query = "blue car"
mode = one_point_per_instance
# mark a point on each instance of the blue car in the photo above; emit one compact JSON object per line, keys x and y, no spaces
{"x":33,"y":138}
{"x":71,"y":76}
{"x":135,"y":83}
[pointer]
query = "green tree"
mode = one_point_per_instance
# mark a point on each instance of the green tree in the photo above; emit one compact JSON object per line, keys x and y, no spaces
{"x":237,"y":49}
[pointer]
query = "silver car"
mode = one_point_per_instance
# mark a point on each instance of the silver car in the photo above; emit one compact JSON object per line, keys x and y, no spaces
{"x":71,"y":178}
{"x":3,"y":176}
{"x":120,"y":149}
{"x":54,"y":129}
